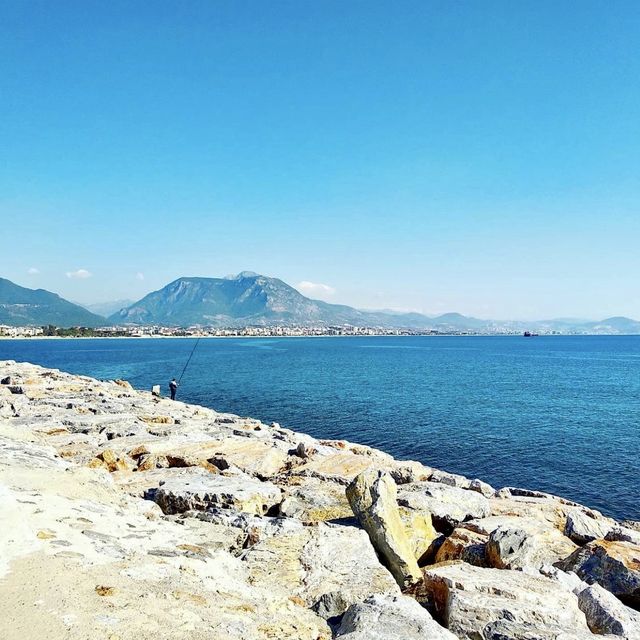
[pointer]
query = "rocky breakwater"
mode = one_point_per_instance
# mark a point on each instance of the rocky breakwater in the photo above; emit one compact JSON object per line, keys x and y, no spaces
{"x":127,"y":516}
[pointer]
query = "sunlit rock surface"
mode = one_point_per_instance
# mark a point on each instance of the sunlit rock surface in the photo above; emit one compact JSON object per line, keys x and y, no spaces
{"x":125,"y":516}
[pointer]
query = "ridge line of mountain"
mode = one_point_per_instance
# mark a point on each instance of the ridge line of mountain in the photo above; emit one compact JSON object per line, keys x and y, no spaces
{"x":250,"y":299}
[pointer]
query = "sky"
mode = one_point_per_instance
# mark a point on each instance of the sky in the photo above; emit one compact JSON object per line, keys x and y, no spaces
{"x":479,"y":157}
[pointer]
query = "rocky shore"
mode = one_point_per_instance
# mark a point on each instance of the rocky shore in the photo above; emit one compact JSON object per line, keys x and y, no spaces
{"x":126,"y":516}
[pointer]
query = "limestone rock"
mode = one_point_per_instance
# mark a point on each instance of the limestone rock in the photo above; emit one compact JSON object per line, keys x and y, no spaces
{"x":340,"y":467}
{"x":419,"y":530}
{"x":466,"y":545}
{"x":450,"y":479}
{"x":447,"y":505}
{"x":527,"y":545}
{"x":475,"y":603}
{"x":251,"y":456}
{"x":533,"y":505}
{"x":623,"y":534}
{"x":372,"y":496}
{"x":583,"y":527}
{"x":606,"y":614}
{"x":408,"y":471}
{"x":328,"y":566}
{"x":482,"y":487}
{"x":390,"y":618}
{"x":313,"y":500}
{"x":613,"y":565}
{"x":200,"y":490}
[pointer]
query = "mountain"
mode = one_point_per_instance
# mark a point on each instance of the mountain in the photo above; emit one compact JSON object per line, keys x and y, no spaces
{"x":20,"y":306}
{"x":108,"y":308}
{"x":252,"y":299}
{"x":617,"y":324}
{"x":249,"y":299}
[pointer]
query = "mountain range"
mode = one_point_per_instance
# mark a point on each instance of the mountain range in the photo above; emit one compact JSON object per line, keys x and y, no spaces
{"x":250,"y":299}
{"x":253,"y":299}
{"x":20,"y":306}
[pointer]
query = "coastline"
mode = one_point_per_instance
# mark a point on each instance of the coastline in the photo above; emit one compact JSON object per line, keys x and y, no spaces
{"x":386,"y":335}
{"x":115,"y":496}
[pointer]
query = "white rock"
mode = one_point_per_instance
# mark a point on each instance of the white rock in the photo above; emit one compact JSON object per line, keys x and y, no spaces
{"x":387,"y":617}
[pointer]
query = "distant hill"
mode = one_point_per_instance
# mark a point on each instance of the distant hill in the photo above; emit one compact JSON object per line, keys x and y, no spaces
{"x":249,"y":299}
{"x":108,"y":308}
{"x":617,"y":324}
{"x":20,"y":306}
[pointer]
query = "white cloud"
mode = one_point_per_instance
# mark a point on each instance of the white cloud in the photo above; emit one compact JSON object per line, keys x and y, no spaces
{"x":139,"y":275}
{"x":33,"y":271}
{"x":80,"y":274}
{"x":315,"y":289}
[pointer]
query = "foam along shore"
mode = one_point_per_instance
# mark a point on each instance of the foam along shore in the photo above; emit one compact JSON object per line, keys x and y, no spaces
{"x":127,"y":516}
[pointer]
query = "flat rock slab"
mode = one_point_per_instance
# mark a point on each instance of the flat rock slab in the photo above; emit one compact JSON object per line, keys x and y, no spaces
{"x":313,"y":500}
{"x":262,"y":459}
{"x":448,"y":506}
{"x":340,"y":467}
{"x":473,"y":603}
{"x":328,"y":566}
{"x":200,"y":490}
{"x":583,"y":527}
{"x":528,"y":544}
{"x":381,"y":617}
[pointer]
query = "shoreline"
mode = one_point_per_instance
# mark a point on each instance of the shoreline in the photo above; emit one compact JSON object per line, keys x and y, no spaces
{"x":134,"y":515}
{"x":441,"y":335}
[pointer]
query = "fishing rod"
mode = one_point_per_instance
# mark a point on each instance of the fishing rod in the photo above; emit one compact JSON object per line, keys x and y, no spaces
{"x":189,"y":360}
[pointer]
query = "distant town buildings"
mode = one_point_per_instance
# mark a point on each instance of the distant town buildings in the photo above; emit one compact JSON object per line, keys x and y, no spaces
{"x":153,"y":331}
{"x":20,"y":332}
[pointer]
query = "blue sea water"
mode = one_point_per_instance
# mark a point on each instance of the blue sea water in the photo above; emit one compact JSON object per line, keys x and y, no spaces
{"x":558,"y":414}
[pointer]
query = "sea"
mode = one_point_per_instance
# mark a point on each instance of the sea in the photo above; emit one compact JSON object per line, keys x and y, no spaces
{"x":559,"y":414}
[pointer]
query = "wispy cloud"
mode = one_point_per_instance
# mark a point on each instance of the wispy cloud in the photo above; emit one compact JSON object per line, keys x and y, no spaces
{"x":80,"y":274}
{"x":33,"y":271}
{"x":315,"y":289}
{"x":139,"y":275}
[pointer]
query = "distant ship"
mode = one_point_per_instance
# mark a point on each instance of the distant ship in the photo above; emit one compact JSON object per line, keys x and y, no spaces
{"x":528,"y":334}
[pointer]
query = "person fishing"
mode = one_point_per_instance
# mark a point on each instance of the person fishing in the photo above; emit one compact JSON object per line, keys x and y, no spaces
{"x":173,"y":385}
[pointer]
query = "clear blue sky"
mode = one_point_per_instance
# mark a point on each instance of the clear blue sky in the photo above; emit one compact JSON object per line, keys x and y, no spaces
{"x":482,"y":157}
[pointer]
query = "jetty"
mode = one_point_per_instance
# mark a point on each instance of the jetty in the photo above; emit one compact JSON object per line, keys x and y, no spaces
{"x":126,"y":516}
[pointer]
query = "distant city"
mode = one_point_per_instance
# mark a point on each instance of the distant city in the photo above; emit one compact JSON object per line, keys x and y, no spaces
{"x":260,"y":331}
{"x":249,"y":304}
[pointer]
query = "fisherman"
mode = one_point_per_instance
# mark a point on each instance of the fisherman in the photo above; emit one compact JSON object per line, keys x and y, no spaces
{"x":173,"y":387}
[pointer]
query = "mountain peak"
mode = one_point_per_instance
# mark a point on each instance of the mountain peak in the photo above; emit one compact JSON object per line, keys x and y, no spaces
{"x":242,"y":275}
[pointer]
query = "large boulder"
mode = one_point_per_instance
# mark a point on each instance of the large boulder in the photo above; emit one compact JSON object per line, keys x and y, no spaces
{"x":200,"y":490}
{"x":382,"y":617}
{"x":372,"y":496}
{"x":583,"y":526}
{"x":528,"y":544}
{"x":476,"y":603}
{"x":327,"y":566}
{"x":466,"y":545}
{"x":606,"y":614}
{"x":613,"y":565}
{"x":448,"y":505}
{"x":531,"y":504}
{"x":256,"y":458}
{"x":342,"y":466}
{"x":314,"y":500}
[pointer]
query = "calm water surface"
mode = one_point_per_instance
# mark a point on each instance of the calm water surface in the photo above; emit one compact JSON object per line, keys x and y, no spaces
{"x":559,"y":414}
